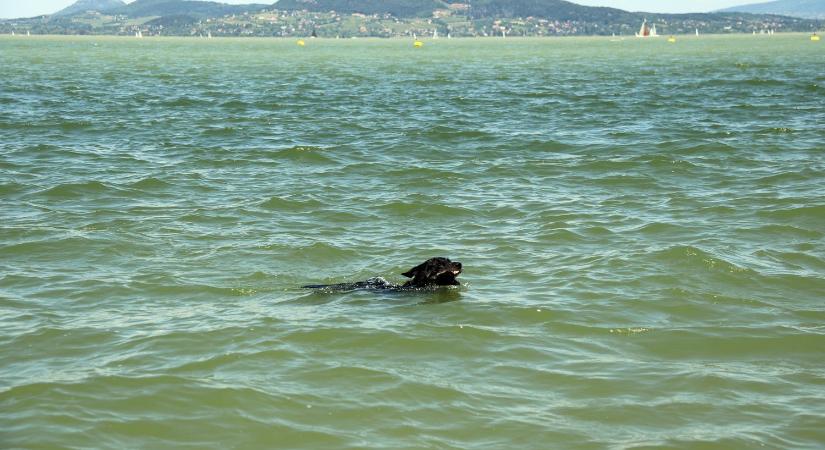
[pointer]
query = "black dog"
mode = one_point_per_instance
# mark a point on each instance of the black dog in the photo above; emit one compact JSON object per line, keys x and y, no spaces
{"x":431,"y":273}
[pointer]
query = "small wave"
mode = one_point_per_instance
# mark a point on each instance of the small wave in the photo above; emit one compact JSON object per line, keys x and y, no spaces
{"x":54,"y":247}
{"x":286,"y":204}
{"x":268,"y":105}
{"x":598,"y":231}
{"x":205,"y":216}
{"x":235,"y":105}
{"x":74,"y":190}
{"x":626,"y":181}
{"x":304,"y":154}
{"x":546,"y":146}
{"x":445,"y":133}
{"x":775,"y":231}
{"x":748,"y":82}
{"x":150,"y":183}
{"x":817,"y":88}
{"x":761,"y":82}
{"x":790,"y":177}
{"x":659,"y":228}
{"x":606,"y":166}
{"x":432,"y":81}
{"x":799,"y":260}
{"x":320,"y":251}
{"x":220,"y":131}
{"x":706,"y":148}
{"x":776,"y":130}
{"x":184,"y":102}
{"x":416,"y":174}
{"x":561,"y":236}
{"x":9,"y":189}
{"x":406,"y":209}
{"x":667,"y":162}
{"x":175,"y":286}
{"x":693,"y":257}
{"x":212,"y":363}
{"x":72,"y":125}
{"x":751,"y":65}
{"x":805,"y":214}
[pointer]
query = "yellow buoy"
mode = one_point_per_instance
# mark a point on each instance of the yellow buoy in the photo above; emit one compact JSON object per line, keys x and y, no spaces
{"x":671,"y":39}
{"x":815,"y":37}
{"x":301,"y":43}
{"x":418,"y":44}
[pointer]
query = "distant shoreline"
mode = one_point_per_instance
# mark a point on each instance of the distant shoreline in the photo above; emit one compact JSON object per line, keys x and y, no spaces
{"x":405,"y":38}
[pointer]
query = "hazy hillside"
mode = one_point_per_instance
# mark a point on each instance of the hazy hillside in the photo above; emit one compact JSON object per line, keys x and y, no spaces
{"x":144,"y":8}
{"x":82,"y":6}
{"x":810,"y":9}
{"x":398,"y":8}
{"x":556,"y":9}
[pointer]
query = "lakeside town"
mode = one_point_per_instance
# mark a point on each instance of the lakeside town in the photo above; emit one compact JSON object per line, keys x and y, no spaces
{"x":453,"y":21}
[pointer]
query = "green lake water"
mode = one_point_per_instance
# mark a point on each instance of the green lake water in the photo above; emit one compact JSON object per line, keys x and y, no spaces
{"x":641,"y":224}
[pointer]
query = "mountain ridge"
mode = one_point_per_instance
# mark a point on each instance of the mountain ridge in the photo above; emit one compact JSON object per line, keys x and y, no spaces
{"x":200,"y":9}
{"x":806,"y":9}
{"x":82,"y":6}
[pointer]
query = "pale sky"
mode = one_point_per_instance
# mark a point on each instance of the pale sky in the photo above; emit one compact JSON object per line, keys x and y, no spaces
{"x":29,"y":8}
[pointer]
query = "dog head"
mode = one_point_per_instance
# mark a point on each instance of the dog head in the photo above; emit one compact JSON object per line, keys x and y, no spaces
{"x":434,"y":272}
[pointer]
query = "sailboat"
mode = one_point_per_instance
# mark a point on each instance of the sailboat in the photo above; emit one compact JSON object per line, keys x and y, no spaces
{"x":644,"y":31}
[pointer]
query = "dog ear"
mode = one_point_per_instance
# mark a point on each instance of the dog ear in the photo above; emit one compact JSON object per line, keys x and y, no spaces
{"x":414,"y":271}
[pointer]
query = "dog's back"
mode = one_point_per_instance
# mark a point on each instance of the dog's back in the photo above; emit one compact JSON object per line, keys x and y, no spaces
{"x":433,"y":272}
{"x":372,"y":283}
